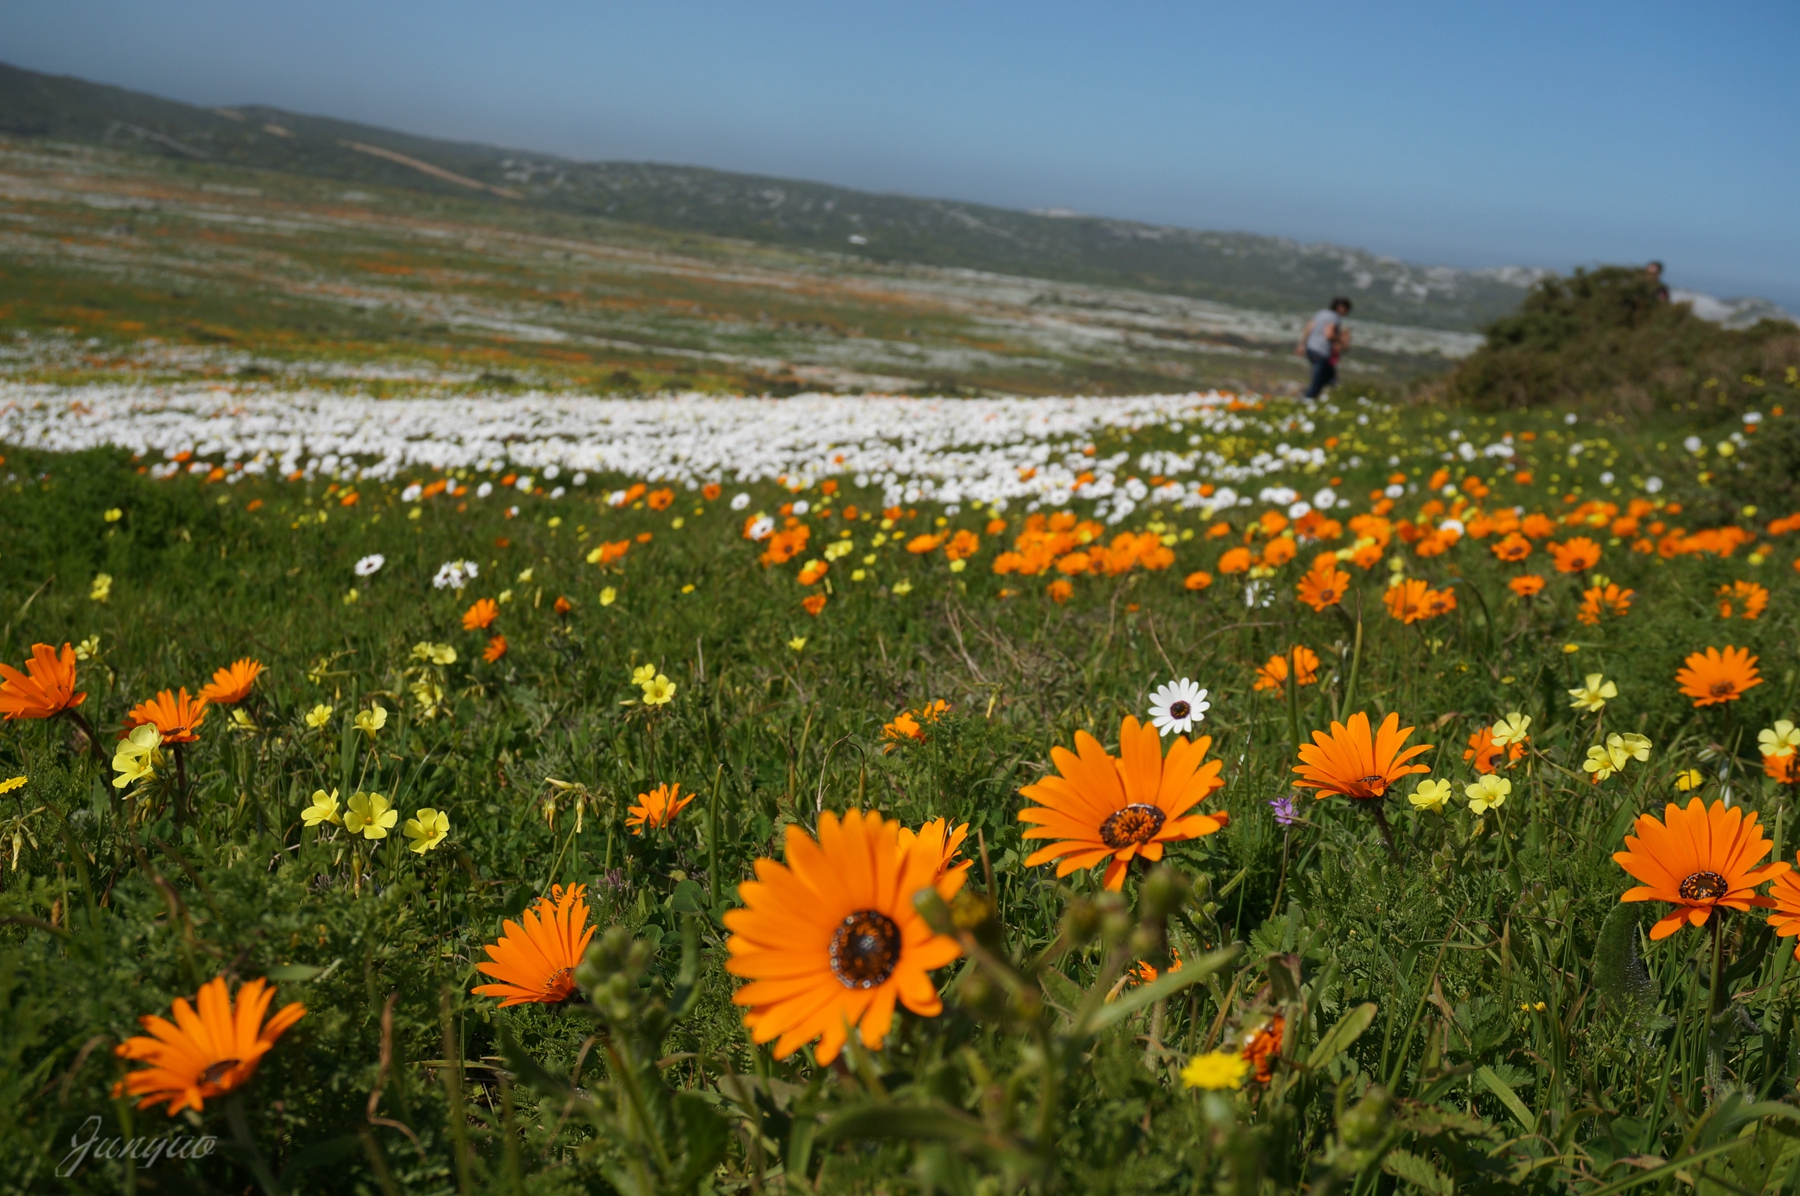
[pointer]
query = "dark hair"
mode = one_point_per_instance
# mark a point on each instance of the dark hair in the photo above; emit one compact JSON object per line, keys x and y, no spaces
{"x":1341,"y":302}
{"x":1658,"y":265}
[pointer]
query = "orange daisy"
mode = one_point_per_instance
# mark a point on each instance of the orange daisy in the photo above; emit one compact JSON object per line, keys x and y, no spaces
{"x":480,"y":616}
{"x":231,"y":685}
{"x":831,"y":940}
{"x":534,"y":961}
{"x":1784,"y":917}
{"x":496,"y":648}
{"x":1263,"y":1047}
{"x":1352,"y":762}
{"x":176,"y":716}
{"x":1743,"y":598}
{"x":1512,"y":547}
{"x":1273,"y":675}
{"x":1323,"y":586}
{"x":940,"y":842}
{"x":1406,"y":600}
{"x":1712,"y":676}
{"x":1596,"y":602}
{"x":657,"y":808}
{"x":45,"y":689}
{"x":562,"y":605}
{"x":1485,"y":752}
{"x":1785,"y":769}
{"x":204,"y":1054}
{"x":1526,"y":585}
{"x":1121,"y":807}
{"x":1697,"y":859}
{"x":1575,"y":556}
{"x":813,"y":603}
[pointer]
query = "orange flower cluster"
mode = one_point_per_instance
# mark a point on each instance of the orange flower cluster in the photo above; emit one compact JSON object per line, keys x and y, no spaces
{"x":1413,"y":599}
{"x":911,"y":724}
{"x":657,"y":808}
{"x":1043,"y":540}
{"x":1484,"y":752}
{"x":1597,"y":601}
{"x":1274,"y":674}
{"x":1744,"y":599}
{"x":784,"y":545}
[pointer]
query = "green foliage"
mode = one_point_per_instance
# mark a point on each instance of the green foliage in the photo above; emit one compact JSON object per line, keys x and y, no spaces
{"x":1603,"y":339}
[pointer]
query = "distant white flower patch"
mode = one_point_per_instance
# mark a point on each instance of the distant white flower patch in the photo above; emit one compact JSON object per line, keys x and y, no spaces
{"x":454,"y":575}
{"x":370,"y":565}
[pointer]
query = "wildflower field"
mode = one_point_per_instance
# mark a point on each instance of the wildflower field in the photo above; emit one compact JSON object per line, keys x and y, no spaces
{"x":1176,"y":793}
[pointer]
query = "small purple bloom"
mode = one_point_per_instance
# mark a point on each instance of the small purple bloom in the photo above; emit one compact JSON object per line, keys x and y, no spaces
{"x":1285,"y":811}
{"x":614,"y":880}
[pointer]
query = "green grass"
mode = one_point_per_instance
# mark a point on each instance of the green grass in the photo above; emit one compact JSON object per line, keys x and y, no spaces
{"x":1474,"y":1015}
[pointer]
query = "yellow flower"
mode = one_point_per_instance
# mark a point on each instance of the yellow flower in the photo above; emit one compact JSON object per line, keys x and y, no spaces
{"x":351,"y":595}
{"x":504,"y":596}
{"x":797,"y":643}
{"x":101,"y":589}
{"x":324,"y":808}
{"x":429,"y":695}
{"x":1488,"y":793}
{"x":1779,"y":740}
{"x":1571,"y":649}
{"x":1592,"y":695}
{"x":113,"y":515}
{"x":136,"y":757}
{"x":1689,"y":779}
{"x":1215,"y":1070}
{"x":372,"y":720}
{"x":902,"y":587}
{"x":659,"y":691}
{"x":370,"y":815}
{"x":524,"y":576}
{"x":11,"y":783}
{"x":427,"y":829}
{"x":644,"y":674}
{"x":1430,"y":795}
{"x":1511,"y":729}
{"x":839,"y":548}
{"x":608,"y":596}
{"x":958,"y":565}
{"x":88,"y":648}
{"x":240,"y":719}
{"x":434,"y":653}
{"x":318,"y":716}
{"x":1618,"y":750}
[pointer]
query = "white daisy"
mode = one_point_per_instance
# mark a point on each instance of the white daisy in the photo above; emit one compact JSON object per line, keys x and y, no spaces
{"x":370,"y":564}
{"x":1178,"y":706}
{"x":739,"y":501}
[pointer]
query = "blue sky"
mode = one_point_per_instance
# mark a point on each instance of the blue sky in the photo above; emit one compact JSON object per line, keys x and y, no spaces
{"x":1472,"y":134}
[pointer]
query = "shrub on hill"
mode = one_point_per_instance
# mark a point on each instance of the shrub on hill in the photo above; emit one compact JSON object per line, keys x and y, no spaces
{"x":1603,"y":338}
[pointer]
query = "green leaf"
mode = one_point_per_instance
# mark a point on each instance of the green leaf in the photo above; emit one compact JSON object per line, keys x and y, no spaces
{"x":298,"y":973}
{"x":1163,"y":987}
{"x":1508,"y":1097}
{"x":1338,"y":1039}
{"x":688,"y":898}
{"x":917,"y":1123}
{"x":1416,"y":1171}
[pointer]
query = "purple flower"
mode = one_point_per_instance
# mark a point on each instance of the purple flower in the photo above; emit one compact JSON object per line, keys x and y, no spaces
{"x":1285,"y":811}
{"x":614,"y":880}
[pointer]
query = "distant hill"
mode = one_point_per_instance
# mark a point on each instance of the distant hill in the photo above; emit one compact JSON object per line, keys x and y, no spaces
{"x":1265,"y":273}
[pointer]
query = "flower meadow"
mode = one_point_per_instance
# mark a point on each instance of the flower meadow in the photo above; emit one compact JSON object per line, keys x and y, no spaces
{"x":1178,"y":793}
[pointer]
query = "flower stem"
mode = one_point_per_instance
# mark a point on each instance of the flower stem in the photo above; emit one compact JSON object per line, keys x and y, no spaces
{"x":1387,"y":834}
{"x":240,"y":1131}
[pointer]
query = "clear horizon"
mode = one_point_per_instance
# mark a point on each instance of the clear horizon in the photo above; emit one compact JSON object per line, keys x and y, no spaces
{"x":1482,"y":136}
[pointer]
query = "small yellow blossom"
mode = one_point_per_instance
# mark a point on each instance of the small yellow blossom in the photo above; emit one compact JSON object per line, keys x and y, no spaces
{"x":902,"y":587}
{"x":1689,"y":779}
{"x":1779,"y":740}
{"x":370,"y":815}
{"x":1605,"y":759}
{"x":11,"y":783}
{"x":644,"y":674}
{"x":318,"y":716}
{"x":430,"y":697}
{"x":324,"y":808}
{"x":608,"y":596}
{"x":351,"y":596}
{"x":1215,"y":1070}
{"x":427,"y":829}
{"x":958,"y":565}
{"x":241,"y":720}
{"x":113,"y":515}
{"x":1430,"y":795}
{"x":1571,"y":649}
{"x":504,"y":596}
{"x":138,"y":754}
{"x":659,"y":691}
{"x":797,"y":643}
{"x":1593,"y":694}
{"x":1511,"y":729}
{"x":88,"y":648}
{"x":101,"y":589}
{"x":1488,"y":793}
{"x":524,"y":576}
{"x":372,"y":720}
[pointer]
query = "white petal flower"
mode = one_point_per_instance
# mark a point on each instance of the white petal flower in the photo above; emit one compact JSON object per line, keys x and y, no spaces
{"x":370,"y":564}
{"x":1178,"y":706}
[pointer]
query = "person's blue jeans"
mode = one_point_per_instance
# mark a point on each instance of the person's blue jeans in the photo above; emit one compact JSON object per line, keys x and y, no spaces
{"x":1324,"y":373}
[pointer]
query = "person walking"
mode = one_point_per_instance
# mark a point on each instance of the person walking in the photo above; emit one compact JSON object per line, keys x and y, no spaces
{"x":1324,"y":340}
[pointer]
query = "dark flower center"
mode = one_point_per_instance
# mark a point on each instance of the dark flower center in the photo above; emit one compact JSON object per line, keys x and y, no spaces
{"x":1704,"y":885}
{"x":1136,"y":823}
{"x":1179,"y":710}
{"x":217,"y":1071}
{"x":1377,"y":785}
{"x":865,"y":949}
{"x":1721,"y":688}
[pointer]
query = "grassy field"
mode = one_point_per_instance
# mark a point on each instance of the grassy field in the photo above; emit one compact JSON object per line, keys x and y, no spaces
{"x":1414,"y":989}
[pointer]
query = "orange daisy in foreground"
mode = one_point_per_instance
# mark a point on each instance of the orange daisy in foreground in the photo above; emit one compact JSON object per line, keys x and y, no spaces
{"x":480,"y":616}
{"x":45,"y":689}
{"x":231,"y":685}
{"x":1121,"y":807}
{"x":176,"y":716}
{"x":204,"y":1054}
{"x":1784,"y":918}
{"x":831,"y":940}
{"x":657,"y":808}
{"x":1712,"y":676}
{"x":1697,"y":859}
{"x":1356,"y":764}
{"x":534,"y":961}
